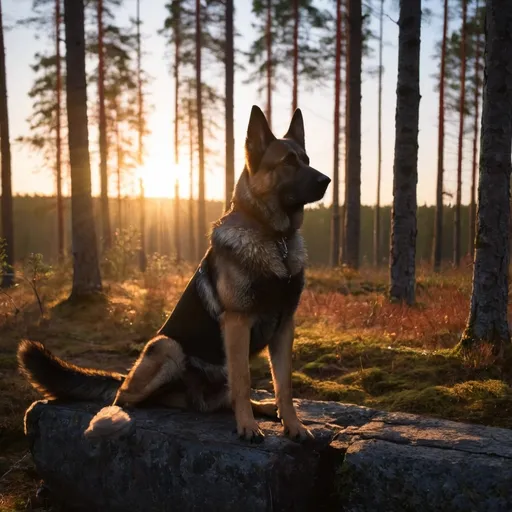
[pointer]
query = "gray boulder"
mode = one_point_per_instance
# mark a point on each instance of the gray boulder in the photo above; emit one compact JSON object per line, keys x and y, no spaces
{"x":361,"y":460}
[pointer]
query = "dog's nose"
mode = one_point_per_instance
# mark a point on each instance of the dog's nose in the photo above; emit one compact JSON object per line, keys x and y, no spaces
{"x":324,"y":180}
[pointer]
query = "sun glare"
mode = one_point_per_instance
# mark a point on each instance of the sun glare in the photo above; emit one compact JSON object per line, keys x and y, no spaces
{"x":159,"y":177}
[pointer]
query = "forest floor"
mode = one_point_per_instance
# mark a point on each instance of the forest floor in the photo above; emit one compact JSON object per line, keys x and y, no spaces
{"x":352,"y":345}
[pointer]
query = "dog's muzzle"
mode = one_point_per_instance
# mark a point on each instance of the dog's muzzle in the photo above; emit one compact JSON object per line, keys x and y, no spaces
{"x":320,"y":186}
{"x":308,"y":186}
{"x":314,"y":185}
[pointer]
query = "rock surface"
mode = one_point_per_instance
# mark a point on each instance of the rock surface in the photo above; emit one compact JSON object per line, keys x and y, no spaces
{"x":361,"y":460}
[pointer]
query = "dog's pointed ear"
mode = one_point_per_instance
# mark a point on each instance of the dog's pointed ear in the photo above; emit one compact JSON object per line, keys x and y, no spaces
{"x":296,"y":130}
{"x":259,"y":137}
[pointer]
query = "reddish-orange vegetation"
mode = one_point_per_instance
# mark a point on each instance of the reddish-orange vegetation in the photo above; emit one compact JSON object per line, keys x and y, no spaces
{"x":352,"y":345}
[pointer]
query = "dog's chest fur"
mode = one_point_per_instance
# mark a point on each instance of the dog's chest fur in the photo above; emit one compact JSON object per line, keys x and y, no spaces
{"x":255,"y":251}
{"x":262,"y":278}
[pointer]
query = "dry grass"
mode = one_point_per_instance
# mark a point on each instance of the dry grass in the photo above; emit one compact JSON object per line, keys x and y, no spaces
{"x":352,"y":345}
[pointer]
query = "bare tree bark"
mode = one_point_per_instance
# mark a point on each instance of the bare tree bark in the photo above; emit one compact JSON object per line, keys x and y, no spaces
{"x":462,"y":108}
{"x":268,"y":41}
{"x":350,"y":254}
{"x":142,"y":228}
{"x":86,"y":272}
{"x":201,"y":207}
{"x":296,"y":19}
{"x":376,"y":221}
{"x":230,"y":83}
{"x":140,"y":149}
{"x":58,"y":135}
{"x":344,"y":57}
{"x":335,"y":223}
{"x":119,"y":162}
{"x":487,"y":320}
{"x":191,"y":216}
{"x":405,"y":168}
{"x":438,"y":227}
{"x":105,"y":214}
{"x":177,"y":224}
{"x":177,"y":63}
{"x":476,"y":106}
{"x":5,"y":151}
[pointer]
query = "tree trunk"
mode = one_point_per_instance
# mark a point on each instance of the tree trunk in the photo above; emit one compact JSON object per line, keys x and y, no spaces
{"x":140,"y":149}
{"x":142,"y":219}
{"x":159,"y":229}
{"x":335,"y":224}
{"x":105,"y":215}
{"x":487,"y":320}
{"x":191,"y":216}
{"x":177,"y":227}
{"x":201,"y":208}
{"x":5,"y":150}
{"x":86,"y":272}
{"x":405,"y":168}
{"x":350,"y":253}
{"x":268,"y":42}
{"x":58,"y":136}
{"x":177,"y":63}
{"x":296,"y":19}
{"x":343,"y":94}
{"x":438,"y":227}
{"x":376,"y":221}
{"x":476,"y":106}
{"x":119,"y":157}
{"x":462,"y":107}
{"x":230,"y":83}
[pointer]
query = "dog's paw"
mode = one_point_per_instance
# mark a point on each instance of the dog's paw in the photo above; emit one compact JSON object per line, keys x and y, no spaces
{"x":250,"y":432}
{"x":110,"y":421}
{"x":297,"y":432}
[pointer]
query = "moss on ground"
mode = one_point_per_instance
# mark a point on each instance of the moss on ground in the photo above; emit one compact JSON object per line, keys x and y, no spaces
{"x":351,"y":346}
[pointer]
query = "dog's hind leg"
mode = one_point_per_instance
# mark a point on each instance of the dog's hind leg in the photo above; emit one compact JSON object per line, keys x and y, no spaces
{"x":161,"y":361}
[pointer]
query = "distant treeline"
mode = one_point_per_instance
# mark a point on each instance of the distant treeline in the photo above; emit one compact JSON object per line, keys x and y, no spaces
{"x":35,"y":221}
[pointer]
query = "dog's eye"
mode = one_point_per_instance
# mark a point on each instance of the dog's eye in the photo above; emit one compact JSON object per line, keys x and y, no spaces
{"x":291,"y":159}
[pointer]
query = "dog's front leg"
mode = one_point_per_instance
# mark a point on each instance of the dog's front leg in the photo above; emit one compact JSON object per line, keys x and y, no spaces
{"x":237,"y":335}
{"x":281,"y":364}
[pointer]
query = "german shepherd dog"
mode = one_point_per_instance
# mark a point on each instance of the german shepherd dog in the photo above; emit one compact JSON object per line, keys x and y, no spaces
{"x":241,"y":299}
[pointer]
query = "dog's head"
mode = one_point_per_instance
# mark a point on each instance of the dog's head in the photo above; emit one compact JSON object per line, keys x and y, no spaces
{"x":279,"y":169}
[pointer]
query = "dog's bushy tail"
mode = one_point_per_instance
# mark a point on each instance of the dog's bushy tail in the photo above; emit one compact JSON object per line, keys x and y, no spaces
{"x":55,"y":378}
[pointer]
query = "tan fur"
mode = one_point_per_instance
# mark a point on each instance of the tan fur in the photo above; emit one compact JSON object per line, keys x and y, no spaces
{"x":281,"y":365}
{"x":232,"y":287}
{"x":266,"y":408}
{"x":161,"y":361}
{"x":236,"y":329}
{"x":262,"y":253}
{"x":110,"y":421}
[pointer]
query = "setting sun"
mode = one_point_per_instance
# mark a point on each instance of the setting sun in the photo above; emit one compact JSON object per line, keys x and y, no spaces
{"x":159,"y":176}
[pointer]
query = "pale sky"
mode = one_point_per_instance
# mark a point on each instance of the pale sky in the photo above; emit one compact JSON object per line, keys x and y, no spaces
{"x":30,"y":175}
